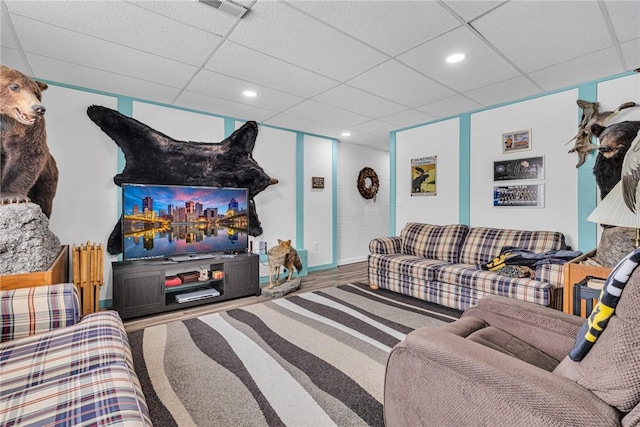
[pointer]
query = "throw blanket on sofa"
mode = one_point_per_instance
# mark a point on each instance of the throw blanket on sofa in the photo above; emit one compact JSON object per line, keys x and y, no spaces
{"x":510,"y":255}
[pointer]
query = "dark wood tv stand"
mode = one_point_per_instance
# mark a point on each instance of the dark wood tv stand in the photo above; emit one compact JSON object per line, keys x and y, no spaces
{"x":139,"y":287}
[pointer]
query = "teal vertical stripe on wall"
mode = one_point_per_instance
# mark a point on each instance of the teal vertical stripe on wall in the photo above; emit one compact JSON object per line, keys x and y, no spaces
{"x":229,"y":126}
{"x":587,"y":190}
{"x":464,"y":175}
{"x":299,"y":190}
{"x":334,"y":198}
{"x":392,"y":184}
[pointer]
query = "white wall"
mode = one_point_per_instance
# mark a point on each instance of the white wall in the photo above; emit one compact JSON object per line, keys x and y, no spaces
{"x":275,"y":152}
{"x":553,"y":121}
{"x":359,"y":219}
{"x":318,"y":203}
{"x":85,"y":206}
{"x":439,"y":139}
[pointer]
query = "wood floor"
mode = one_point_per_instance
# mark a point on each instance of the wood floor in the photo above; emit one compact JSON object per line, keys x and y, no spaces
{"x":356,"y":272}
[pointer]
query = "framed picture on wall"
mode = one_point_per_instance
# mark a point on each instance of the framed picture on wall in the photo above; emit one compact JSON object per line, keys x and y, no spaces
{"x":519,"y":140}
{"x":519,"y":195}
{"x":423,"y":176}
{"x":527,"y":168}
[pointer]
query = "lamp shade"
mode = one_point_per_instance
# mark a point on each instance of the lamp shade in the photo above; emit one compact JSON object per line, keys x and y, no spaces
{"x":612,"y":211}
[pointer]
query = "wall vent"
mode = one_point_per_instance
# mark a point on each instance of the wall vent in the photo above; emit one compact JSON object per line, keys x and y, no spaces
{"x":227,"y":7}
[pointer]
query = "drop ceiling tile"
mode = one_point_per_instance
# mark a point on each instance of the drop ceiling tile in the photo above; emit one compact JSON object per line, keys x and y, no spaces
{"x":282,"y":32}
{"x":451,"y":106}
{"x":294,"y":123}
{"x":398,"y":83}
{"x":482,"y":66}
{"x":631,"y":52}
{"x":375,"y":127}
{"x":357,"y":101}
{"x":365,"y":139}
{"x":193,"y":14}
{"x":575,"y":29}
{"x":98,"y":54}
{"x":391,"y":26}
{"x":222,"y":107}
{"x":12,"y":59}
{"x":624,"y":16}
{"x":120,"y":22}
{"x":6,"y":36}
{"x":219,"y":86}
{"x":469,"y":10}
{"x":117,"y":84}
{"x":506,"y":91}
{"x":408,"y":118}
{"x":323,"y":113}
{"x":576,"y":71}
{"x":238,"y":61}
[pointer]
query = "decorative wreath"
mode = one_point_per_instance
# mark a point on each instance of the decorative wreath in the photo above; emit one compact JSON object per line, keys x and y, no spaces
{"x":370,"y":191}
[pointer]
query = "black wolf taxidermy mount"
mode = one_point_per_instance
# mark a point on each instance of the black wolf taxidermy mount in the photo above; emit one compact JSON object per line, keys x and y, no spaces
{"x":154,"y":158}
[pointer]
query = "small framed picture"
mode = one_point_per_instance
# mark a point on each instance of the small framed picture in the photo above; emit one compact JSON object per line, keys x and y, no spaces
{"x":526,"y":168}
{"x":519,"y":140}
{"x":519,"y":195}
{"x":317,"y":182}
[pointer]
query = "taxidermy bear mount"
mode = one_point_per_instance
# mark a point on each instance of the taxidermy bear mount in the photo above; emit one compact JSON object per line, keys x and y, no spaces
{"x":154,"y":158}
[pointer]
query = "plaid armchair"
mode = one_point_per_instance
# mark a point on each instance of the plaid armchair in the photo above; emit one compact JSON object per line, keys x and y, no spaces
{"x":59,"y":369}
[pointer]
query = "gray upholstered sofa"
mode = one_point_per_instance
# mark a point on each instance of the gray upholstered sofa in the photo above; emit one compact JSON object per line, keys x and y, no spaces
{"x":440,"y":264}
{"x":507,"y":363}
{"x":59,"y":369}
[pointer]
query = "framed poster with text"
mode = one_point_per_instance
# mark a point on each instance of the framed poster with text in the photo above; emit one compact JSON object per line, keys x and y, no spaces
{"x":423,"y":176}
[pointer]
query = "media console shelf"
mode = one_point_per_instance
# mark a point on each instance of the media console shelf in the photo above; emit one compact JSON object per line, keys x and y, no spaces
{"x":142,"y":287}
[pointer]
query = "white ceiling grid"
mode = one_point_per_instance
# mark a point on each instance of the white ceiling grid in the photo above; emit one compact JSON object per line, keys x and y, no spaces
{"x":324,"y":67}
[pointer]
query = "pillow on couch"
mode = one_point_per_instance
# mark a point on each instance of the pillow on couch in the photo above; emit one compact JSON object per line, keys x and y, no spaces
{"x":441,"y":242}
{"x":611,"y":368}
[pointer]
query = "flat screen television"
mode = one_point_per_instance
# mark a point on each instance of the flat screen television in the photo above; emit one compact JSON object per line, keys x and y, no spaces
{"x":182,"y":222}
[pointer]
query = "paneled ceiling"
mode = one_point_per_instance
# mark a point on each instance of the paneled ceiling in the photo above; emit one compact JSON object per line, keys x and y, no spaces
{"x":324,"y":67}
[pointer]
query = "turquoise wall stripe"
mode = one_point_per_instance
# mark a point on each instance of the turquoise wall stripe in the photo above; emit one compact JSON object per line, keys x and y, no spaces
{"x":392,"y":184}
{"x":334,"y":199}
{"x":229,"y":126}
{"x":464,"y":174}
{"x":299,"y":190}
{"x":587,"y":190}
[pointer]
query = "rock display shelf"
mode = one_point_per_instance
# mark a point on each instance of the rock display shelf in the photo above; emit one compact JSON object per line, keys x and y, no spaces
{"x":58,"y":272}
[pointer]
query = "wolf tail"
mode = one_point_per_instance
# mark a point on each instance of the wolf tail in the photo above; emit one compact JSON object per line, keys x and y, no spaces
{"x":297,"y":263}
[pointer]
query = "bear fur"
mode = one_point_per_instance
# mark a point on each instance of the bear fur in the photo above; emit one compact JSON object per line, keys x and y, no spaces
{"x":614,"y":143}
{"x":29,"y":171}
{"x":154,"y":158}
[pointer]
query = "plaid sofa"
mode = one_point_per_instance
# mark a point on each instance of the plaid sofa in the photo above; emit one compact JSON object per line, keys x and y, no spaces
{"x":440,"y":264}
{"x":57,"y":369}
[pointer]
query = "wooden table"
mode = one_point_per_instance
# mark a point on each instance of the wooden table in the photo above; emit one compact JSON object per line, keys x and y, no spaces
{"x":574,"y":272}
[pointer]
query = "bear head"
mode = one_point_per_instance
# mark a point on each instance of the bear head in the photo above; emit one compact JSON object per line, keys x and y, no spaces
{"x":616,"y":138}
{"x":21,"y":96}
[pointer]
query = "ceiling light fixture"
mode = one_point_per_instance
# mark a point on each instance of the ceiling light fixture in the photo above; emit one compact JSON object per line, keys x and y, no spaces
{"x":456,"y":57}
{"x":249,"y":93}
{"x":346,"y":134}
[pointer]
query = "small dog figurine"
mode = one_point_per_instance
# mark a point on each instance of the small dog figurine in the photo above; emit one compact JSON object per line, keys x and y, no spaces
{"x":282,"y":255}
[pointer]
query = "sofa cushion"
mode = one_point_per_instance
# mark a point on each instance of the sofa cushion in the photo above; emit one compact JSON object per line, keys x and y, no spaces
{"x":405,"y":265}
{"x":488,"y":282}
{"x":30,"y":311}
{"x":440,"y":242}
{"x":483,"y":243}
{"x":98,"y":339}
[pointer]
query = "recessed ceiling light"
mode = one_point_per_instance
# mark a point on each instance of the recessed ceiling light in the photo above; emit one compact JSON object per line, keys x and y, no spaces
{"x":249,"y":93}
{"x":456,"y":57}
{"x":346,"y":134}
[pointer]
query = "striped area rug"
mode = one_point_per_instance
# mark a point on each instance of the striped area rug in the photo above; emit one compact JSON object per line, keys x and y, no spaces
{"x":312,"y":359}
